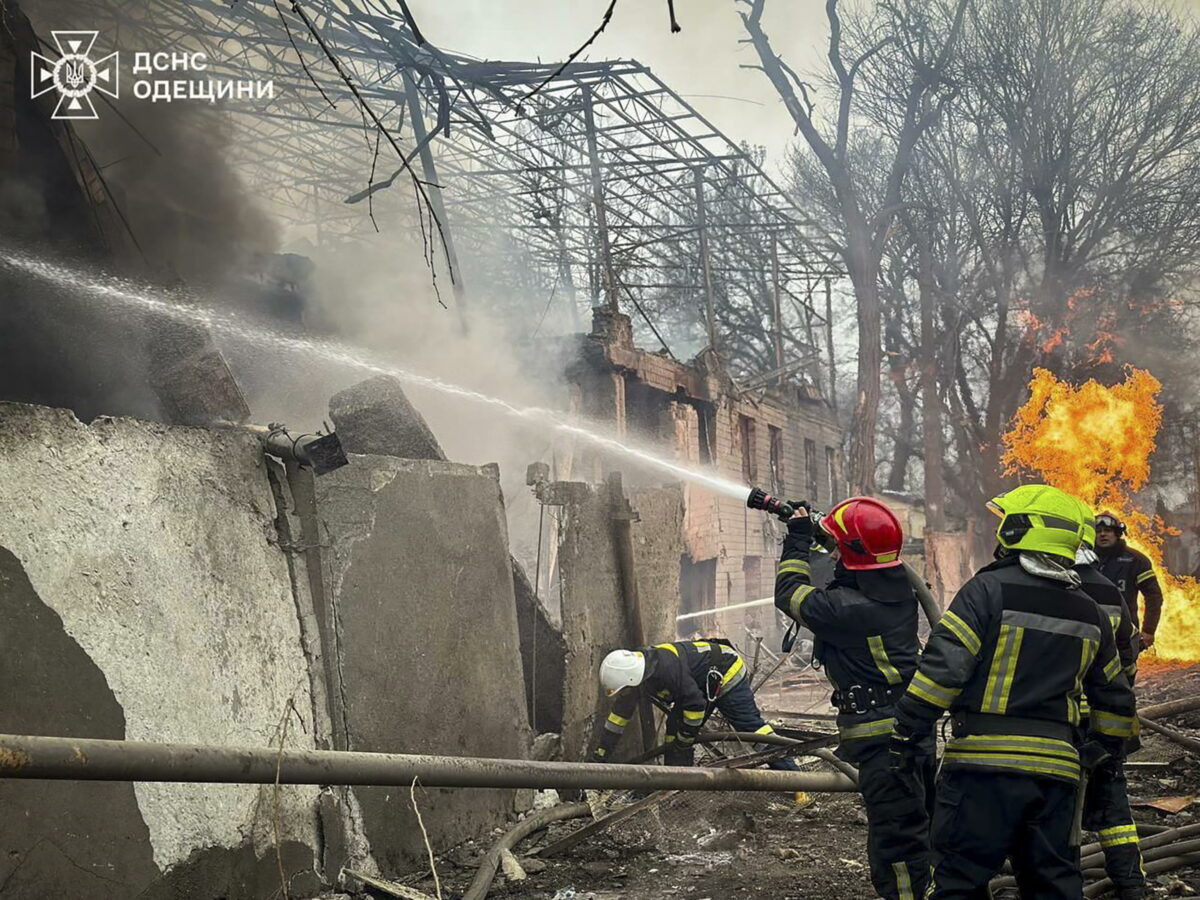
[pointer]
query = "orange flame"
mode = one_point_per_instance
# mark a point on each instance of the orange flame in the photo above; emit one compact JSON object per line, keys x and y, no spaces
{"x":1095,"y":442}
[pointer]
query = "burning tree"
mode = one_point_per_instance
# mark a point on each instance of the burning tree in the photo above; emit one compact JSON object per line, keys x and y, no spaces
{"x":1050,"y":216}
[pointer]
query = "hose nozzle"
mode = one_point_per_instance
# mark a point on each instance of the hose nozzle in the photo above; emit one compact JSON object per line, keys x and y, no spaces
{"x":760,"y":499}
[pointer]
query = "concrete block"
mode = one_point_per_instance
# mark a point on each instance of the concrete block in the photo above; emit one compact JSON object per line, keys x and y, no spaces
{"x":594,"y":616}
{"x":153,"y":575}
{"x":426,"y":641}
{"x":543,"y":655}
{"x":375,"y":416}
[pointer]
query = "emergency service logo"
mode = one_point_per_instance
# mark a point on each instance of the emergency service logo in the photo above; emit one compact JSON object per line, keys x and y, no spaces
{"x":75,"y":75}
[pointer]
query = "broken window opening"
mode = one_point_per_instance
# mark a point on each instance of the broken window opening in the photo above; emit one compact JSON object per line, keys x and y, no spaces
{"x":776,"y":459}
{"x":746,"y":443}
{"x":810,"y":468}
{"x":704,"y":419}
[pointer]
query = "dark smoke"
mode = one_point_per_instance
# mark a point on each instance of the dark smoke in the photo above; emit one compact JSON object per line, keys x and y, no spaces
{"x":149,"y":192}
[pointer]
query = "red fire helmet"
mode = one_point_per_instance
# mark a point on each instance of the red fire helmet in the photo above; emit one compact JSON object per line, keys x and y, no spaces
{"x":867,"y":533}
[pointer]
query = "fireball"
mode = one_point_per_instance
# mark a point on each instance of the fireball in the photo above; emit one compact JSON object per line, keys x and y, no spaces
{"x":1095,"y":442}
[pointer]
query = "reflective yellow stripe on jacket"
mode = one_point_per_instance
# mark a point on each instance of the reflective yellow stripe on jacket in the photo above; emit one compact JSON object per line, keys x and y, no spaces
{"x":930,"y":691}
{"x":1015,"y":753}
{"x":961,"y":630}
{"x":1003,"y":670}
{"x":866,"y":730}
{"x":882,"y":663}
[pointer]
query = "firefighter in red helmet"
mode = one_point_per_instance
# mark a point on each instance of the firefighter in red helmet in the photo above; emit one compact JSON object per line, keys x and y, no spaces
{"x":865,"y":625}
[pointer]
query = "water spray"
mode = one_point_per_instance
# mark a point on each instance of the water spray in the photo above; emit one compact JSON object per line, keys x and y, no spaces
{"x":151,"y":301}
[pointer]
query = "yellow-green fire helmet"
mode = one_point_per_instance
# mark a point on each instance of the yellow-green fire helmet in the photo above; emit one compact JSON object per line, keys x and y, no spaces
{"x":1088,"y":520}
{"x":1039,"y":518}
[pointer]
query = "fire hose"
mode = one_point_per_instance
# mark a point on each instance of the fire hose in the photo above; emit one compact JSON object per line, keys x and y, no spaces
{"x":785,"y":509}
{"x":1178,"y":845}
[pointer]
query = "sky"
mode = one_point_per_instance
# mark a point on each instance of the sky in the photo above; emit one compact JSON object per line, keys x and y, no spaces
{"x":701,"y":62}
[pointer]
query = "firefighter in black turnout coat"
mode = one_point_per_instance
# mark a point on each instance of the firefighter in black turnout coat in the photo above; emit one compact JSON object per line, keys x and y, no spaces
{"x":1106,"y":808}
{"x":865,"y":625}
{"x":1009,"y":660}
{"x":1132,"y":572}
{"x":687,"y":680}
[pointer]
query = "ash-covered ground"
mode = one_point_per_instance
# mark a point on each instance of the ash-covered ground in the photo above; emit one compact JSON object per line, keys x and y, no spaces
{"x":727,"y":846}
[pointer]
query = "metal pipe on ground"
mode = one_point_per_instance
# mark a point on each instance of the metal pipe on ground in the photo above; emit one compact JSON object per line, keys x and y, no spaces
{"x":1188,"y":743}
{"x":527,"y":826}
{"x":1170,"y":708}
{"x":92,"y":759}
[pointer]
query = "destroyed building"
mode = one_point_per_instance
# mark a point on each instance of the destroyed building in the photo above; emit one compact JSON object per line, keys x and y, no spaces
{"x":172,"y":574}
{"x":782,"y":436}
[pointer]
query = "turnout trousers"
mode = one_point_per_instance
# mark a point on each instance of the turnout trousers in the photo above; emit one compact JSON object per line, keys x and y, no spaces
{"x":1106,"y":812}
{"x":981,"y":817}
{"x":739,"y":709}
{"x":898,"y":808}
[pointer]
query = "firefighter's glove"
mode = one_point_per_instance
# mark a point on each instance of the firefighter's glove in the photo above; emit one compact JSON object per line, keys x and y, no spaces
{"x":801,"y":526}
{"x":902,"y":751}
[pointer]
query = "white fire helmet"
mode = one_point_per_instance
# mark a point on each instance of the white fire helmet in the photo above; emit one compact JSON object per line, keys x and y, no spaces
{"x":622,"y":669}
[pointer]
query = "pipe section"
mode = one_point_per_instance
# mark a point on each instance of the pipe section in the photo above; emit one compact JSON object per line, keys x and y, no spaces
{"x":91,"y":759}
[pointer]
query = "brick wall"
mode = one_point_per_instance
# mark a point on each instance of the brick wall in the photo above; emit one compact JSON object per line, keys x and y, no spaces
{"x":716,"y":526}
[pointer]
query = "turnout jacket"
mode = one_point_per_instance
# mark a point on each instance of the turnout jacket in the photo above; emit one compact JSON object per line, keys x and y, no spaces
{"x":865,"y":625}
{"x":680,"y":677}
{"x":1010,"y":659}
{"x":1131,"y":571}
{"x":1111,"y":602}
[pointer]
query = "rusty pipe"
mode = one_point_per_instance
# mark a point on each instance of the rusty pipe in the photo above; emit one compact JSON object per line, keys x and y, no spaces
{"x":92,"y":759}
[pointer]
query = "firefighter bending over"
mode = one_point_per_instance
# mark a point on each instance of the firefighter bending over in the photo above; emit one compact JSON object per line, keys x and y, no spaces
{"x":1008,"y":661}
{"x":1132,"y":572}
{"x":687,"y":680}
{"x":1106,"y":802}
{"x":865,"y":626}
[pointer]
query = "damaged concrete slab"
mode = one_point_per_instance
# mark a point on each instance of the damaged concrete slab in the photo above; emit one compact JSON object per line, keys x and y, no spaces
{"x":154,"y":547}
{"x":375,"y":416}
{"x":419,"y":586}
{"x":596,"y":618}
{"x":62,"y":838}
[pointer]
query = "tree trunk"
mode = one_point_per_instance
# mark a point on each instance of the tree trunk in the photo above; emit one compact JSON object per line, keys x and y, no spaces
{"x":903,"y":450}
{"x":864,"y":274}
{"x":898,"y":359}
{"x":931,"y":404}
